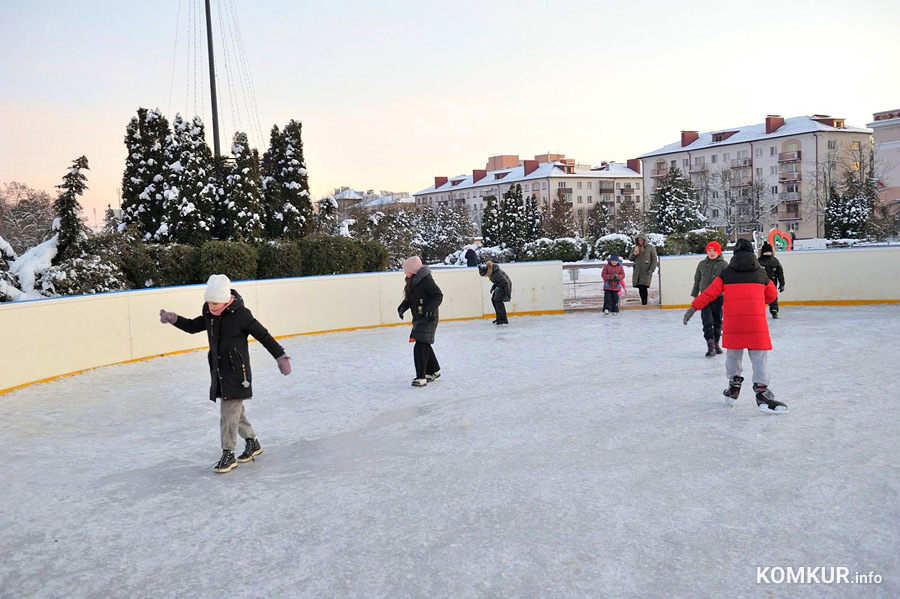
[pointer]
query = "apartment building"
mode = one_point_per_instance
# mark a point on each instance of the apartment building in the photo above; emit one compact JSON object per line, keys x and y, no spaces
{"x":886,"y":128}
{"x":771,"y":174}
{"x":546,"y":177}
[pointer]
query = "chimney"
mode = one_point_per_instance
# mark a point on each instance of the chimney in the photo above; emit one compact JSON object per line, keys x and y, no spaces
{"x":478,"y":174}
{"x":689,"y":137}
{"x":604,"y":163}
{"x":530,"y":167}
{"x":773,"y":123}
{"x":438,"y":181}
{"x":634,"y":164}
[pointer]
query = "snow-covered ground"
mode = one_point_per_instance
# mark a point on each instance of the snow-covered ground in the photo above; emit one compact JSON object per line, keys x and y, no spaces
{"x":562,"y":456}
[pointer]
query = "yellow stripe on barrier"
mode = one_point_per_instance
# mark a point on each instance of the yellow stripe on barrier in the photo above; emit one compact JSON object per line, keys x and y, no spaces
{"x":184,"y":351}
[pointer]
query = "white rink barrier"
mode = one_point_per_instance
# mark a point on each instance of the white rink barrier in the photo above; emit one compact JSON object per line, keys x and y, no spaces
{"x":45,"y":339}
{"x":840,"y":276}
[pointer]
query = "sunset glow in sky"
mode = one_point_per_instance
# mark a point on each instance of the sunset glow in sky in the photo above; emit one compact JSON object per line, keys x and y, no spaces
{"x":393,"y":93}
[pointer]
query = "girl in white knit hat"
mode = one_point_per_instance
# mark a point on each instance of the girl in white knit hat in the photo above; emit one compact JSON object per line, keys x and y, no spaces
{"x":227,"y":324}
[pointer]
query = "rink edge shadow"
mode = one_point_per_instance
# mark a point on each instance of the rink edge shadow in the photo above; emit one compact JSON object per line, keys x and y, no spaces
{"x":323,"y":332}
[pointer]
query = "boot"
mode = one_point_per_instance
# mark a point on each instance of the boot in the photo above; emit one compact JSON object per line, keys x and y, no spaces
{"x":252,"y":448}
{"x":718,"y":347}
{"x":733,"y":390}
{"x":226,"y":463}
{"x":775,"y":315}
{"x":710,"y":348}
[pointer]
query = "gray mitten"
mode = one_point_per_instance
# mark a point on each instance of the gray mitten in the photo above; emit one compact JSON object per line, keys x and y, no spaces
{"x":167,"y":317}
{"x":688,"y":315}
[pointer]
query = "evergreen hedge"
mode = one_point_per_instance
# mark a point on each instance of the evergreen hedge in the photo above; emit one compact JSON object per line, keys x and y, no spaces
{"x":236,"y":260}
{"x":176,"y":264}
{"x":278,"y":260}
{"x":693,"y":242}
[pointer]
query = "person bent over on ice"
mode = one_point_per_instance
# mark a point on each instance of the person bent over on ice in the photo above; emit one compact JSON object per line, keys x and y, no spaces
{"x":707,"y":270}
{"x":422,"y":296}
{"x":746,"y":290}
{"x":613,"y":275}
{"x":501,"y":290}
{"x":227,"y":323}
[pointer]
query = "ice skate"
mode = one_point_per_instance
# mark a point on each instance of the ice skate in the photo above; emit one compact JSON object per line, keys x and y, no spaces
{"x":733,"y":390}
{"x":766,"y":401}
{"x":251,"y":450}
{"x":431,"y":377}
{"x":606,"y":313}
{"x":419,"y":382}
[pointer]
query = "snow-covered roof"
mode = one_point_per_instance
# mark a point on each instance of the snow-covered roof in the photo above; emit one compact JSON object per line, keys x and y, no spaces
{"x":348,"y":194}
{"x":385,"y":200}
{"x":797,"y":125}
{"x":517,"y":174}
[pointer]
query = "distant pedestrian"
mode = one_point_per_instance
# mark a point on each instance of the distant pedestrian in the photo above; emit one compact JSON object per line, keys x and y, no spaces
{"x":471,"y":256}
{"x":645,"y":262}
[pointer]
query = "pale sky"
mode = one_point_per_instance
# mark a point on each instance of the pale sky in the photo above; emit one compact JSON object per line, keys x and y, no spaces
{"x":393,"y":93}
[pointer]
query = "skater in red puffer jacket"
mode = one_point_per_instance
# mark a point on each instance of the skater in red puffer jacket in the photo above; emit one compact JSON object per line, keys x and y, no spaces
{"x":747,"y":290}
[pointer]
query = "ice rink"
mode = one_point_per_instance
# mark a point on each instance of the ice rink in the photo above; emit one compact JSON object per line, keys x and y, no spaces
{"x":563,"y":456}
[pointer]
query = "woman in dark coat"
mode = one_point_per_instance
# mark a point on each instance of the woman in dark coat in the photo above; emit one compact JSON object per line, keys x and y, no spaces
{"x":501,"y":289}
{"x":422,"y":296}
{"x":227,"y":323}
{"x":645,"y":262}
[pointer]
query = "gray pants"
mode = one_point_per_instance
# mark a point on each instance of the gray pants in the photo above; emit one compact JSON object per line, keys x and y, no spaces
{"x":233,"y":421}
{"x":759,"y":358}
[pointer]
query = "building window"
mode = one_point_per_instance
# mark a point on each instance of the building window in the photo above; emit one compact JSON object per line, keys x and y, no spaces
{"x":714,"y":158}
{"x":726,"y":157}
{"x":525,"y":188}
{"x":774,"y":189}
{"x":674,"y":163}
{"x":618,"y":185}
{"x":580,"y":201}
{"x":792,"y":208}
{"x":759,"y":171}
{"x":792,"y":227}
{"x":773,"y":170}
{"x":685,"y":163}
{"x":590,"y":199}
{"x":561,"y":184}
{"x":772,"y":151}
{"x":637,"y":185}
{"x":757,"y":153}
{"x":854,"y":145}
{"x":578,"y":185}
{"x":607,"y":197}
{"x":580,"y":212}
{"x":590,"y":184}
{"x":715,"y":213}
{"x":543,"y":185}
{"x":832,"y":144}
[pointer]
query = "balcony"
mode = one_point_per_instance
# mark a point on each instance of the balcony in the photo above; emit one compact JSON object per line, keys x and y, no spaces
{"x":659,"y":172}
{"x":742,"y":182}
{"x":788,"y":177}
{"x":791,"y":196}
{"x":627,"y":191}
{"x":789,"y":156}
{"x":789,"y":216}
{"x":699,"y":167}
{"x":741,"y":162}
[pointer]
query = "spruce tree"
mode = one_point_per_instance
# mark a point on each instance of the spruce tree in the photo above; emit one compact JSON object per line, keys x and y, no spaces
{"x":144,"y":179}
{"x":600,"y":221}
{"x":512,"y":218}
{"x":559,"y":223}
{"x":674,"y":206}
{"x":68,"y":223}
{"x":191,"y":193}
{"x":110,"y":220}
{"x":297,"y":204}
{"x":532,"y":218}
{"x":490,"y":222}
{"x":272,"y":166}
{"x":326,"y":221}
{"x":242,"y":211}
{"x":630,"y":221}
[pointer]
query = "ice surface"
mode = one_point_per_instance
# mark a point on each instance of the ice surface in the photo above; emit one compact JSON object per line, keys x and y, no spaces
{"x":562,"y":456}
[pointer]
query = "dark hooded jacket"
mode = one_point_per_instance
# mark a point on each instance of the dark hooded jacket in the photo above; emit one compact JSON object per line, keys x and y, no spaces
{"x":773,"y":269}
{"x":229,"y":356}
{"x":645,"y":263}
{"x":501,"y":289}
{"x":424,"y":297}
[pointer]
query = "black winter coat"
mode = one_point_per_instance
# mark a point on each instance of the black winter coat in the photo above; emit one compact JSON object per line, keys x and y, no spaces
{"x":424,"y":296}
{"x":502,"y":285}
{"x":471,"y":257}
{"x":773,"y":269}
{"x":229,"y":356}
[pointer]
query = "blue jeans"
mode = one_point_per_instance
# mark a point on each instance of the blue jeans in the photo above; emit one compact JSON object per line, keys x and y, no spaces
{"x":610,"y":300}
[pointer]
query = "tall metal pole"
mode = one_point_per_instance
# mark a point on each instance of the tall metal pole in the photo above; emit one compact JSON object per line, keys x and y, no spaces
{"x":212,"y":82}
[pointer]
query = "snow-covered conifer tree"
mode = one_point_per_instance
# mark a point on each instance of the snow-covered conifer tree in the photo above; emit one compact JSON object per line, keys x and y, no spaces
{"x":242,"y":217}
{"x":327,"y":221}
{"x":144,"y":179}
{"x":68,"y":223}
{"x":191,"y":190}
{"x":674,"y":206}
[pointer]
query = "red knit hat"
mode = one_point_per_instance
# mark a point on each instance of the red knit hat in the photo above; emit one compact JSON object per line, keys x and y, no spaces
{"x":714,"y":245}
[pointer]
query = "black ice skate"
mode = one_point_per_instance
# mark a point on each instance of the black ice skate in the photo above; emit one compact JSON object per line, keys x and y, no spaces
{"x":226,"y":464}
{"x":733,"y":390}
{"x":431,"y":377}
{"x":251,"y":450}
{"x":766,"y":401}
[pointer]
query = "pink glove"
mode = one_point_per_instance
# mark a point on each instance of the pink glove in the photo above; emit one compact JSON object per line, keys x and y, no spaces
{"x":167,"y":317}
{"x":284,"y":364}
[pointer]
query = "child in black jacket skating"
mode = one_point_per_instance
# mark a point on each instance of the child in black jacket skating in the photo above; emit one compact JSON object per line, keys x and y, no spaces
{"x":773,"y":268}
{"x":227,"y":324}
